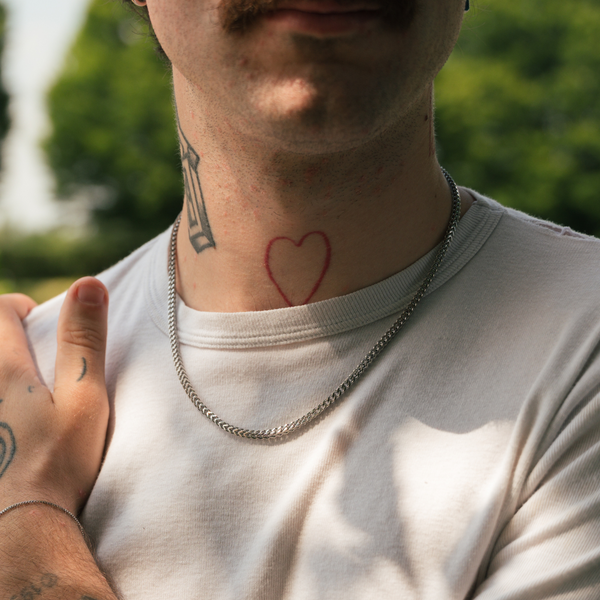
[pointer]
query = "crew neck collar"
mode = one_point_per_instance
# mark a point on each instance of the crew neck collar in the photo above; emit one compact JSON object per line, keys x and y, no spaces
{"x":320,"y":319}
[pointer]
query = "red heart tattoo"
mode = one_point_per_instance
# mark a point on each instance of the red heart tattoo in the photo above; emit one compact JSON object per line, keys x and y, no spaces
{"x":297,"y":269}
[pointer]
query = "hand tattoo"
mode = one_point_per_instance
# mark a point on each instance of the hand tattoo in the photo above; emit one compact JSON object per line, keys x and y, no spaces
{"x":32,"y":590}
{"x":84,"y":371}
{"x":199,"y":231}
{"x":8,"y":447}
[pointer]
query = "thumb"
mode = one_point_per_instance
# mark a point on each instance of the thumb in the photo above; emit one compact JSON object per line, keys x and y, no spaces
{"x":82,"y":342}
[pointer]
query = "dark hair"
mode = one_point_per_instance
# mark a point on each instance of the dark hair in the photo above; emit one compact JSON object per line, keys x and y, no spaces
{"x":142,"y":12}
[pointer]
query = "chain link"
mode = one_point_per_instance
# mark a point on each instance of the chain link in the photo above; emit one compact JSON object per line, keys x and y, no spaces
{"x":357,"y":373}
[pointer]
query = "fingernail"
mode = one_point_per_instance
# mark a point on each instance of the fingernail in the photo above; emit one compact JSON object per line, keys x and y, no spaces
{"x":90,"y":294}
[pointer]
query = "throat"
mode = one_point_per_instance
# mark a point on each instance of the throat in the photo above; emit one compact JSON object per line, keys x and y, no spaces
{"x":254,"y":267}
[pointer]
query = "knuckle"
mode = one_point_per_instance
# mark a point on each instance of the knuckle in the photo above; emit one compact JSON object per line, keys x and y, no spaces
{"x":86,"y":337}
{"x":8,"y":311}
{"x":13,"y":369}
{"x":10,"y":372}
{"x":18,"y":298}
{"x":15,"y":303}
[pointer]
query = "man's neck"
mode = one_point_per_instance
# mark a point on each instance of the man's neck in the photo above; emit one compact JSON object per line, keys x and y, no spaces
{"x":263,"y":228}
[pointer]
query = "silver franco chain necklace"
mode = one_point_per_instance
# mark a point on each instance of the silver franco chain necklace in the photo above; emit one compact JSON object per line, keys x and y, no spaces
{"x":365,"y":363}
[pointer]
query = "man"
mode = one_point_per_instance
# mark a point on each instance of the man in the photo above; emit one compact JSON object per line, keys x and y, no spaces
{"x":460,"y":460}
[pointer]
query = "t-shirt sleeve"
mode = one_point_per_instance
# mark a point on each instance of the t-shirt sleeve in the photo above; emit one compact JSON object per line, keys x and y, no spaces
{"x":550,"y":548}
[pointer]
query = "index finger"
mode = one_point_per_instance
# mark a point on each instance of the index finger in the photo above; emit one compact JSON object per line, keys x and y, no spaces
{"x":15,"y":350}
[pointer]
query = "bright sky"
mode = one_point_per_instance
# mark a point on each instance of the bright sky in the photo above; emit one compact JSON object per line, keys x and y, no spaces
{"x":40,"y":33}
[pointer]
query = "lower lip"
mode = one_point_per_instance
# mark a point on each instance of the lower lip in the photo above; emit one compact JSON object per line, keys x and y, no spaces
{"x":322,"y":24}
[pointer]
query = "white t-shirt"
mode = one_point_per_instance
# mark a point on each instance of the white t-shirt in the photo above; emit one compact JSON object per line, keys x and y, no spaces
{"x":464,"y":464}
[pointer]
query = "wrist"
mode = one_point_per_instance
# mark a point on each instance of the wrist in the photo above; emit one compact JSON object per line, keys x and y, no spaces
{"x":29,"y":503}
{"x":33,"y":535}
{"x":31,"y":524}
{"x":12,"y":494}
{"x":41,"y":545}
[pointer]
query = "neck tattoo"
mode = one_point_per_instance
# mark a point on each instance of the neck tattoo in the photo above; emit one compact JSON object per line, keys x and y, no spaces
{"x":359,"y":371}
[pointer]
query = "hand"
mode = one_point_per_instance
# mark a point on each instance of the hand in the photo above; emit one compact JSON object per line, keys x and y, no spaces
{"x":51,"y":444}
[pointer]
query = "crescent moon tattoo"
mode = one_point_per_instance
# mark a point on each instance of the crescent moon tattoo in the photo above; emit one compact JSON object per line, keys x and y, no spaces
{"x":84,"y":371}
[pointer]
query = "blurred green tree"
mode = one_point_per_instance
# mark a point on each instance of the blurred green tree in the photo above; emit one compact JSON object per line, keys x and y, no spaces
{"x":4,"y":99}
{"x":518,"y":109}
{"x":113,"y":131}
{"x":518,"y":115}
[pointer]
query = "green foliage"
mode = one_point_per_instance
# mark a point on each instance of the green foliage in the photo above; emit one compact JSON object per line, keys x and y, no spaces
{"x":38,"y":289}
{"x":4,"y":116}
{"x":518,"y":115}
{"x":113,"y":124}
{"x":58,"y":254}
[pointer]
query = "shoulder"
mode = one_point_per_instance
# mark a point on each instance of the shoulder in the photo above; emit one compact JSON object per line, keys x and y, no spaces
{"x":534,"y":226}
{"x":126,"y":282}
{"x":532,"y":272}
{"x":522,"y":242}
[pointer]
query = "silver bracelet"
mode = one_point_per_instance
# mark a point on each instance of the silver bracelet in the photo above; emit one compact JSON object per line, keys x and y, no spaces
{"x":13,"y":506}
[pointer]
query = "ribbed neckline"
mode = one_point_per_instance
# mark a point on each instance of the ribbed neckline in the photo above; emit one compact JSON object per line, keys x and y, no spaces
{"x":319,"y":319}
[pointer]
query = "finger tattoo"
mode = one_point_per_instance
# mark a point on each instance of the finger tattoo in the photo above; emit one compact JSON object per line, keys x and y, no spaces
{"x":84,"y":371}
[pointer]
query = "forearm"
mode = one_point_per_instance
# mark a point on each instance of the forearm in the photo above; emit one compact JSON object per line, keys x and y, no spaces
{"x":44,"y":556}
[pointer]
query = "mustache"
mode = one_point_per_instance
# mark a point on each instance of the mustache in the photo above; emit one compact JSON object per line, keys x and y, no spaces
{"x":239,"y":15}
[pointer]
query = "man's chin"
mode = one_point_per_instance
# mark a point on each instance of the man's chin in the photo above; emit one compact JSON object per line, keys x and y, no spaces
{"x":314,"y":135}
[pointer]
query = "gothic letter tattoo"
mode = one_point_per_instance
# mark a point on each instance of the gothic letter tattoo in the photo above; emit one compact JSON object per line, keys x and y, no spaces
{"x":201,"y":236}
{"x":8,"y":447}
